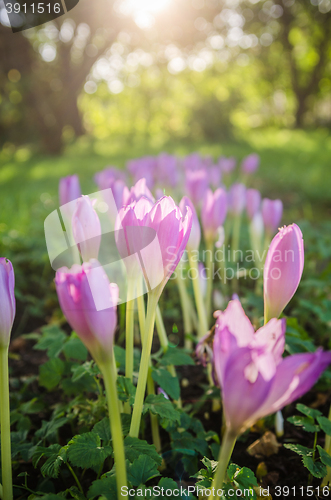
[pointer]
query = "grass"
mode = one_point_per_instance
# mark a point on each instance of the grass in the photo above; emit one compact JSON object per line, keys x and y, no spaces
{"x":295,"y":166}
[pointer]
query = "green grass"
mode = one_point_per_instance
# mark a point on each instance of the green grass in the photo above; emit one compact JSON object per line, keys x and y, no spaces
{"x":295,"y":166}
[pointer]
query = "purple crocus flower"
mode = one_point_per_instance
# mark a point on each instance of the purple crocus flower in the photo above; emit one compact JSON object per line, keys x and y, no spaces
{"x":196,"y":185}
{"x":237,"y":198}
{"x":86,"y":229}
{"x":138,"y":191}
{"x":282,"y":270}
{"x":7,"y":300}
{"x":250,"y":164}
{"x":253,"y":202}
{"x":213,"y":212}
{"x":227,"y":165}
{"x":254,"y":377}
{"x":272,"y":211}
{"x":195,"y":235}
{"x":69,"y":189}
{"x":89,"y":301}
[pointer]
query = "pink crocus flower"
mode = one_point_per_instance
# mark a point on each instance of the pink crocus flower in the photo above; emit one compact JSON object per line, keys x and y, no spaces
{"x":69,"y":189}
{"x":86,"y":229}
{"x":250,"y":164}
{"x":89,"y":301}
{"x":138,"y":191}
{"x":227,"y":165}
{"x":282,"y":270}
{"x":143,"y":167}
{"x":253,"y":202}
{"x":7,"y":300}
{"x":254,"y":377}
{"x":154,"y":236}
{"x":272,"y":211}
{"x":237,"y":198}
{"x":196,"y":184}
{"x":213,"y":212}
{"x":195,"y":235}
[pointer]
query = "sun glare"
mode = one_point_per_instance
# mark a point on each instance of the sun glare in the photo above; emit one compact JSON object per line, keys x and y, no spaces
{"x":148,"y":6}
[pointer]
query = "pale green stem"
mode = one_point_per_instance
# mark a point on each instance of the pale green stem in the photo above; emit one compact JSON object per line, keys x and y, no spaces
{"x":209,"y":270}
{"x":150,"y":382}
{"x":7,"y":482}
{"x":188,"y":329}
{"x":327,"y":479}
{"x":75,"y":478}
{"x":154,"y":420}
{"x":153,"y":298}
{"x":129,"y":340}
{"x":161,"y":331}
{"x":228,"y":443}
{"x":203,"y":323}
{"x":236,"y":237}
{"x":108,"y":370}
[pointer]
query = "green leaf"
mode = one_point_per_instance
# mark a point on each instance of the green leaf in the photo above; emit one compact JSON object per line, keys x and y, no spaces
{"x":307,"y":423}
{"x":88,"y":368}
{"x":32,"y":406}
{"x":50,"y":373}
{"x":102,"y":428}
{"x":50,"y":427}
{"x":324,"y":455}
{"x":167,"y":382}
{"x":51,"y":467}
{"x":126,"y":390}
{"x":245,"y":478}
{"x":159,"y":405}
{"x":51,"y":340}
{"x":85,"y":451}
{"x":105,"y":487}
{"x":135,"y":447}
{"x":120,"y":358}
{"x":210,"y":464}
{"x":168,"y":484}
{"x":141,"y":470}
{"x":75,"y":349}
{"x":315,"y":468}
{"x":42,"y":451}
{"x":309,"y":412}
{"x":299,"y":449}
{"x":325,"y":424}
{"x":177,"y":357}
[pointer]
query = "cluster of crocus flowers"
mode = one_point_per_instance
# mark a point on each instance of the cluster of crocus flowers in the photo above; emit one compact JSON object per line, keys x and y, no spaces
{"x":7,"y":316}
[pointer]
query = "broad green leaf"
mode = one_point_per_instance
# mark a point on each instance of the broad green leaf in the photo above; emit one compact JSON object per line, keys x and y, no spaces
{"x":51,"y":467}
{"x":105,"y":487}
{"x":177,"y":357}
{"x":85,"y":451}
{"x":102,"y":428}
{"x":141,"y":470}
{"x":210,"y":464}
{"x":299,"y":449}
{"x":161,"y":406}
{"x":87,"y":368}
{"x":309,"y":412}
{"x":135,"y":447}
{"x":50,"y":427}
{"x":75,"y":349}
{"x":50,"y":373}
{"x":307,"y":423}
{"x":42,"y":451}
{"x":32,"y":406}
{"x":324,"y":455}
{"x":120,"y":357}
{"x":167,"y":382}
{"x":315,"y":468}
{"x":325,"y":424}
{"x":51,"y":340}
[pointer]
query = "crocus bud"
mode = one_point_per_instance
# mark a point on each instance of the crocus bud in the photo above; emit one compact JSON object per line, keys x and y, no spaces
{"x":195,"y":235}
{"x":250,"y":163}
{"x":215,"y":175}
{"x":69,"y":189}
{"x":227,"y":164}
{"x":138,"y":191}
{"x":283,"y":270}
{"x":255,"y":379}
{"x":237,"y":198}
{"x":86,"y":229}
{"x":213,"y":212}
{"x":196,"y":185}
{"x":253,"y":202}
{"x":89,"y":301}
{"x":272,"y":211}
{"x":7,"y":300}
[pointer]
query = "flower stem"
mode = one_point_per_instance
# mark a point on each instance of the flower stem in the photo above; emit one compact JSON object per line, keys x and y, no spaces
{"x":161,"y":331}
{"x":228,"y":443}
{"x":153,"y":298}
{"x":327,"y":479}
{"x":7,"y":482}
{"x":184,"y":302}
{"x":129,"y":331}
{"x":209,"y":269}
{"x":236,"y":237}
{"x":141,"y":308}
{"x":203,"y":323}
{"x":154,"y":419}
{"x":109,"y":374}
{"x":75,"y":478}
